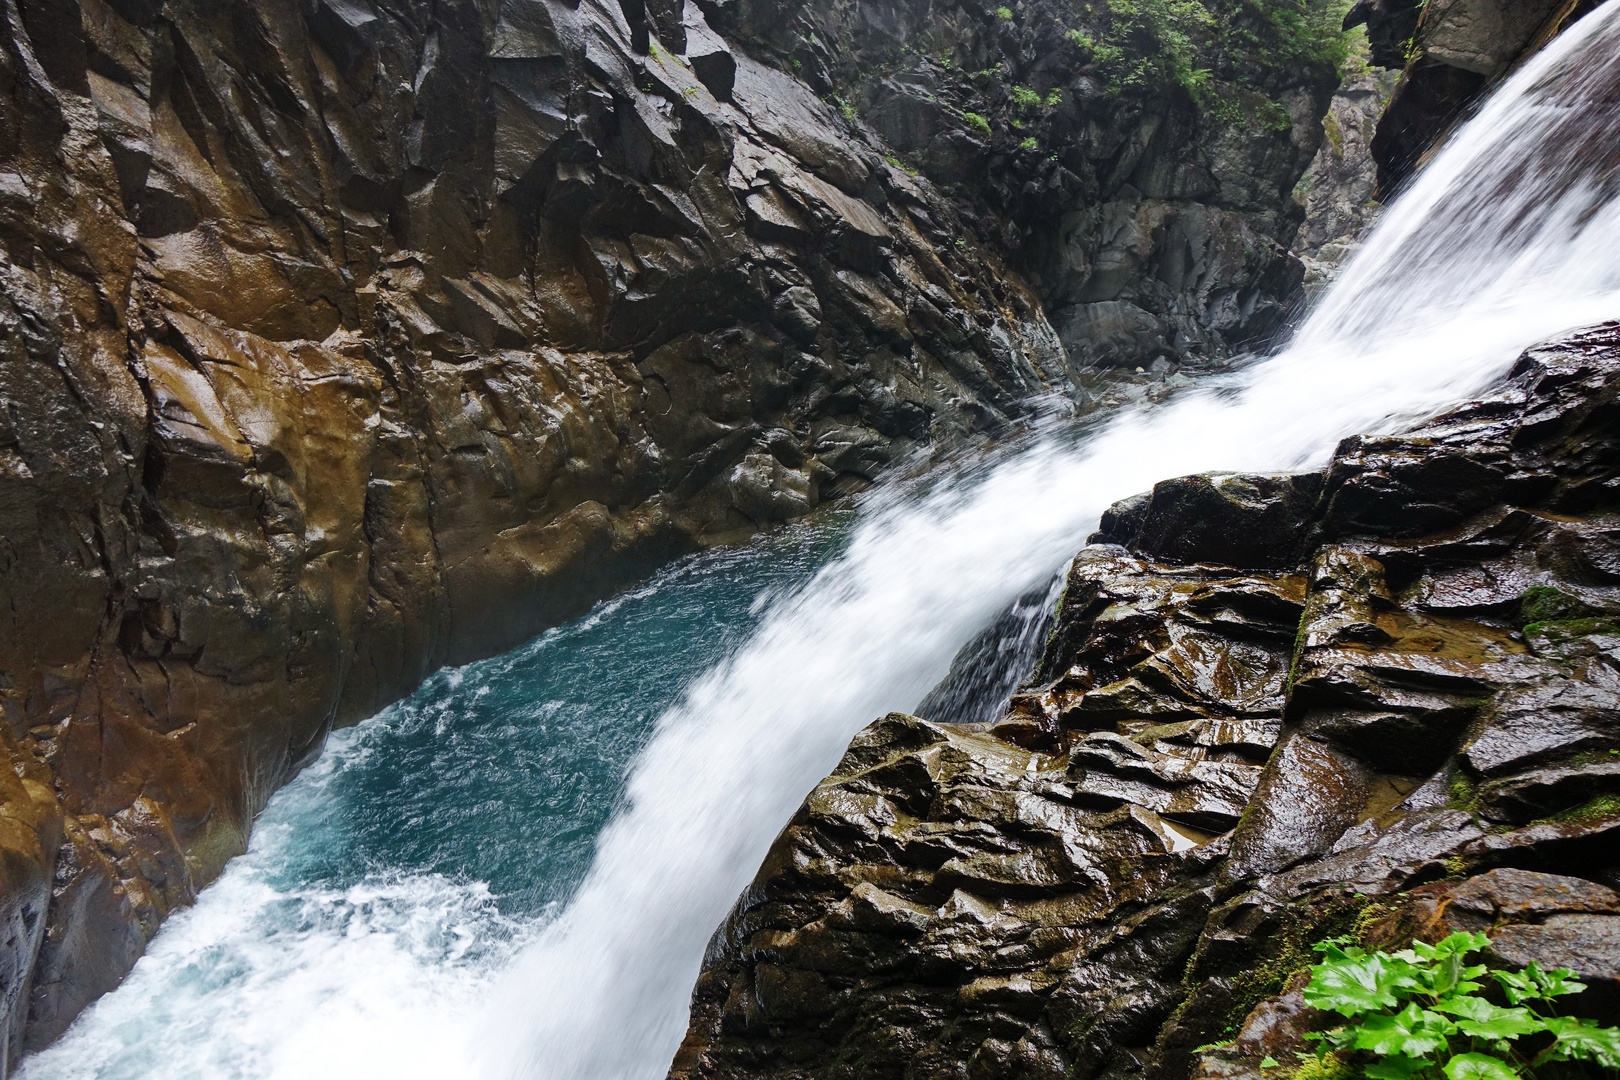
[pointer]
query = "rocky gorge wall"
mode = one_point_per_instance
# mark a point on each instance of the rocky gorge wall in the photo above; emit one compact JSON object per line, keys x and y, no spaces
{"x":1134,"y":161}
{"x":350,"y":338}
{"x":1451,"y":54}
{"x":1380,"y":699}
{"x":345,"y":339}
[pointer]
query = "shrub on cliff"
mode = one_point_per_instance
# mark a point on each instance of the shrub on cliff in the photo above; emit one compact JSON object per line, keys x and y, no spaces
{"x":1422,"y":1014}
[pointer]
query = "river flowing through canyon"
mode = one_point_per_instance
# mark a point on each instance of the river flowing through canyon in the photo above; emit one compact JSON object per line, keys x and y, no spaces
{"x":514,"y":873}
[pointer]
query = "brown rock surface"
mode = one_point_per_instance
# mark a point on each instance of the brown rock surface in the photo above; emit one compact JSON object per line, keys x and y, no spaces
{"x":343,"y":340}
{"x":1369,"y":727}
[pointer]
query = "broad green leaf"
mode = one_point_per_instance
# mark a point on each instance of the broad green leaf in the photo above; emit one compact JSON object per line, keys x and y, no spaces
{"x":1534,"y":984}
{"x":1479,"y":1019}
{"x":1446,"y":975}
{"x":1585,"y":1040}
{"x":1343,"y":945}
{"x":1554,"y":983}
{"x":1413,"y":1031}
{"x":1396,"y":1067}
{"x":1351,"y":986}
{"x":1517,"y":986}
{"x":1338,"y":1038}
{"x":1459,"y":944}
{"x":1479,"y":1067}
{"x":1268,"y":1062}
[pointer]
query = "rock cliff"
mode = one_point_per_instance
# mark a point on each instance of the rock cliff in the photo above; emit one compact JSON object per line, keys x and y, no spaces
{"x":1134,"y":160}
{"x":1339,"y":189}
{"x":1382,"y":699}
{"x":345,"y":339}
{"x":1451,"y":53}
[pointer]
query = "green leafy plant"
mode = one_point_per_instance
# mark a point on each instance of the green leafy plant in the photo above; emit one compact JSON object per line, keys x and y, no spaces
{"x":901,"y":165}
{"x":1004,"y":13}
{"x":1211,"y":48}
{"x":977,"y":122}
{"x":1419,"y":1014}
{"x":1029,"y":144}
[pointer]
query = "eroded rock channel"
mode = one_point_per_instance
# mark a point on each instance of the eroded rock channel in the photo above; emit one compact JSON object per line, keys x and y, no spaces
{"x":1381,"y":699}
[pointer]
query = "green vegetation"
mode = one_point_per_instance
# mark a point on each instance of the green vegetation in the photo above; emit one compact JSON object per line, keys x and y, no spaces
{"x":1141,"y":45}
{"x":1004,"y":13}
{"x":1597,"y":808}
{"x":977,"y":122}
{"x":1290,"y":951}
{"x":1543,"y":603}
{"x":1327,"y":1067}
{"x":901,"y":165}
{"x":1334,"y":135}
{"x":1029,"y":144}
{"x":1028,"y":100}
{"x":1547,"y":612}
{"x":1419,"y":1014}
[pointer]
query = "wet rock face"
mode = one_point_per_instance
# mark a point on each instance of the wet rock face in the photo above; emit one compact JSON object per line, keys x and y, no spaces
{"x":1400,"y":720}
{"x":1452,"y":53}
{"x":343,"y":340}
{"x":1339,"y":189}
{"x":1153,"y":226}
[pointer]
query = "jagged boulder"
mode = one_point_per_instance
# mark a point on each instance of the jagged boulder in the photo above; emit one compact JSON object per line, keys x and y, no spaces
{"x":1405,"y":725}
{"x":1451,"y":52}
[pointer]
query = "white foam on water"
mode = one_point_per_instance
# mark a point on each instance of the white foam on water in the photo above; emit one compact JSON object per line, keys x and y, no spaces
{"x":1511,"y":235}
{"x":383,"y":978}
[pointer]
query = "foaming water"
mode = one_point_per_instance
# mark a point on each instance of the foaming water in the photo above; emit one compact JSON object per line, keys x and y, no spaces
{"x":398,"y":915}
{"x":388,"y":885}
{"x":1510,"y":236}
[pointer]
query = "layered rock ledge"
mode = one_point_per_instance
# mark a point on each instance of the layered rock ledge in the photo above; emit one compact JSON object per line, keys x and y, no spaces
{"x":1382,"y":699}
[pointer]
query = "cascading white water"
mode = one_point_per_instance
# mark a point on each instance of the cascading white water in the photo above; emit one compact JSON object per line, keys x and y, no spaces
{"x":1510,"y":236}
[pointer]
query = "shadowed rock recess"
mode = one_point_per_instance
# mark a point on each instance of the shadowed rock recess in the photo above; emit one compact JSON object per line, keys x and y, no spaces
{"x":1135,"y":161}
{"x":1382,"y":699}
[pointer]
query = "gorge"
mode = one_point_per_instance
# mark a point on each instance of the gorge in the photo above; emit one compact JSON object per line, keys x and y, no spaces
{"x":321,"y":379}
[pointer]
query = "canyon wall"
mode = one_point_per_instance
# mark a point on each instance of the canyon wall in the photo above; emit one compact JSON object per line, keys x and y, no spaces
{"x":1134,"y":161}
{"x":1381,"y":700}
{"x":345,"y":339}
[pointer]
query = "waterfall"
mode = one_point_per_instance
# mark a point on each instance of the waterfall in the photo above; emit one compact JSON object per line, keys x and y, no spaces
{"x":1510,"y":236}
